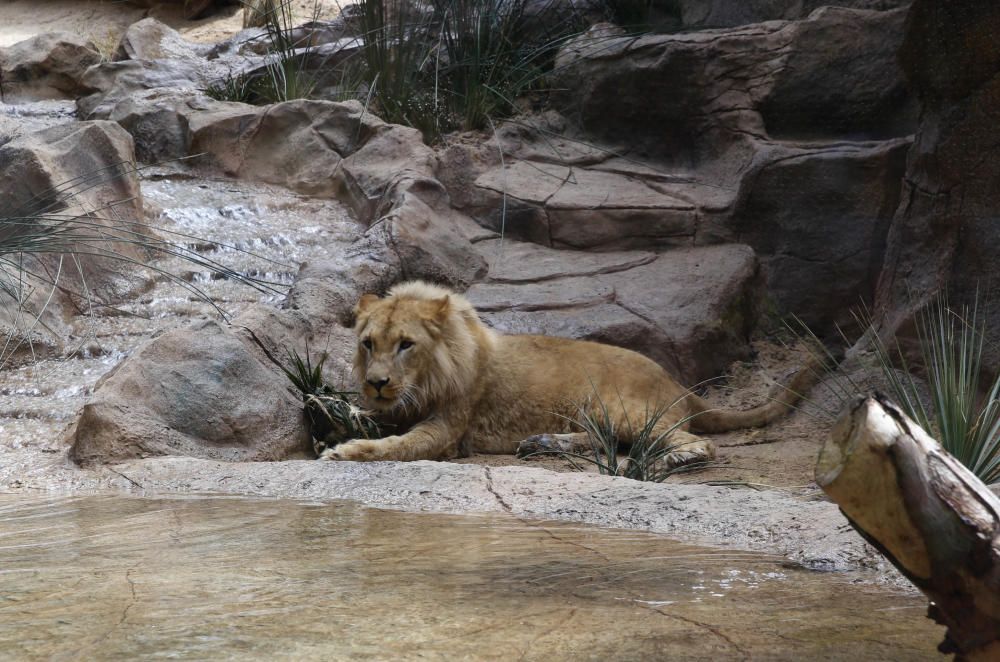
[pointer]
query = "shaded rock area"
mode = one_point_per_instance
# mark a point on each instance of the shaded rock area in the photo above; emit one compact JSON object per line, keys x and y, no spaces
{"x":945,"y":231}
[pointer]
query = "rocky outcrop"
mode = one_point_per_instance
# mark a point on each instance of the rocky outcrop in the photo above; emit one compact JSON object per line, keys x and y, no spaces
{"x":690,"y":98}
{"x":691,"y":310}
{"x":47,"y":66}
{"x":818,"y":218}
{"x":154,"y":56}
{"x":945,"y":231}
{"x":702,"y":14}
{"x":786,"y":135}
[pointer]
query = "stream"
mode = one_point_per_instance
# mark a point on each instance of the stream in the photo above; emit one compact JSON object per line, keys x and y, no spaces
{"x":124,"y":578}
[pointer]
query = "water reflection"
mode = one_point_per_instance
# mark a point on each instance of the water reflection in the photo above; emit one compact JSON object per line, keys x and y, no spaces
{"x":122,"y":578}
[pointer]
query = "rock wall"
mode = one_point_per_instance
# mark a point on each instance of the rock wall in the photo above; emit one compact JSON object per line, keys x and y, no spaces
{"x":946,"y":230}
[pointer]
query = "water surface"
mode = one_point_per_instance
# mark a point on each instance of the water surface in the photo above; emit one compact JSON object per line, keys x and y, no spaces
{"x":121,"y":578}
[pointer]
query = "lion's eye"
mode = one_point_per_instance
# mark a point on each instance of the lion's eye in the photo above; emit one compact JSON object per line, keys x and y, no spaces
{"x":405,"y":344}
{"x":367,"y":344}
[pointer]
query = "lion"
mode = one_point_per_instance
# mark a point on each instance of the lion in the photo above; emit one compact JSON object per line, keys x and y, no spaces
{"x":425,"y":358}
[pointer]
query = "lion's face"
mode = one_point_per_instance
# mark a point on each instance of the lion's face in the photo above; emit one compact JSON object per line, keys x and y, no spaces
{"x":397,"y":340}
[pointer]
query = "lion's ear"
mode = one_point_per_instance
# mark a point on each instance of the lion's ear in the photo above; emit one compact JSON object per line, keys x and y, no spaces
{"x":364,"y":303}
{"x":436,"y":310}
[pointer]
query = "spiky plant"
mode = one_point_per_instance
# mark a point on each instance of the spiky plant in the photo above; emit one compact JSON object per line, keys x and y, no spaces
{"x":963,"y":411}
{"x":647,"y":456}
{"x":334,"y":415}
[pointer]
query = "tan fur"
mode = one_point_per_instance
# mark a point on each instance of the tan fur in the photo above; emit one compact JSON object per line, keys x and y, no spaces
{"x":467,"y":387}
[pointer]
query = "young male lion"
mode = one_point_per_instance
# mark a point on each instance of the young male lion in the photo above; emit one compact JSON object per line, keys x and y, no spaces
{"x":424,"y":356}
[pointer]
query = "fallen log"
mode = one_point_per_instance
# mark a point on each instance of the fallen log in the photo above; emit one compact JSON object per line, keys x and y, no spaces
{"x":928,"y":514}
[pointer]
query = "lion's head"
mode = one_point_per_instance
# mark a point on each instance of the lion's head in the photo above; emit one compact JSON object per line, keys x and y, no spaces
{"x":416,"y":347}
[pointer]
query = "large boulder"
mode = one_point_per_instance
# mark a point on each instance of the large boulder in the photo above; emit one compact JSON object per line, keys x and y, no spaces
{"x":818,"y":218}
{"x":947,"y":227}
{"x":639,"y":92}
{"x":691,"y":310}
{"x":210,"y":391}
{"x":51,"y":178}
{"x":46,"y":66}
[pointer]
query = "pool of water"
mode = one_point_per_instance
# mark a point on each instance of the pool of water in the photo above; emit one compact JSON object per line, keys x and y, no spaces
{"x":122,"y":578}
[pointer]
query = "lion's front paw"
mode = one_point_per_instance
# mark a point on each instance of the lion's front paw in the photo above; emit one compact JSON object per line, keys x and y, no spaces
{"x":358,"y":450}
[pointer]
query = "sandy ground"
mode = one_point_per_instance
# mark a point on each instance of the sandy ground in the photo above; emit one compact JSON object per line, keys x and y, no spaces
{"x":103,"y":21}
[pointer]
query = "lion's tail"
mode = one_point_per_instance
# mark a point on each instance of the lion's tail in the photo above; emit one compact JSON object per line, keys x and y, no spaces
{"x":781,"y":400}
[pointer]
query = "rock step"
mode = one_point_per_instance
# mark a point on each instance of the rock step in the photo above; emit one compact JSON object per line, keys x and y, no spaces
{"x":605,"y":206}
{"x":689,"y":309}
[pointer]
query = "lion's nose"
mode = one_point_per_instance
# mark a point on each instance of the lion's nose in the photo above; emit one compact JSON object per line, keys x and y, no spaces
{"x":378,"y":383}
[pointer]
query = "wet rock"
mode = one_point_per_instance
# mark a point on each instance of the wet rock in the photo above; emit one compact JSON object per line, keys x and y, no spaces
{"x":691,"y":310}
{"x":383,"y":171}
{"x":46,"y":66}
{"x":818,"y":217}
{"x":154,"y":56}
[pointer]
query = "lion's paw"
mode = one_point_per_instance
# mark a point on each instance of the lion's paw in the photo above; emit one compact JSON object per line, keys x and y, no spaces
{"x":690,"y":453}
{"x":359,"y":450}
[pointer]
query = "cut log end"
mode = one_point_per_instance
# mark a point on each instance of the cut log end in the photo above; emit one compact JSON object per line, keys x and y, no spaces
{"x":928,"y":514}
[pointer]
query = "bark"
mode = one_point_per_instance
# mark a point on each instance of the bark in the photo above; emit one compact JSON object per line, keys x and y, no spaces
{"x":928,"y":514}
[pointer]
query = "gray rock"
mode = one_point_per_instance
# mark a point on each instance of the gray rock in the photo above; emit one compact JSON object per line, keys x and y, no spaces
{"x":154,"y":56}
{"x":745,"y":83}
{"x":46,"y":66}
{"x":945,"y":232}
{"x":563,"y":206}
{"x":691,"y":310}
{"x":818,"y":218}
{"x":203,"y":391}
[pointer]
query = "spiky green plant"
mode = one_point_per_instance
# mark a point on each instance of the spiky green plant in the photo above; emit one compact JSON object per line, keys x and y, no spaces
{"x":648,"y":450}
{"x":234,"y":86}
{"x":460,"y":66}
{"x":963,"y":413}
{"x":334,"y":415}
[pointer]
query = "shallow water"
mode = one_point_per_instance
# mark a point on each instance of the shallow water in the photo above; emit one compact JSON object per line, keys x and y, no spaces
{"x":209,"y":578}
{"x":258,"y":230}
